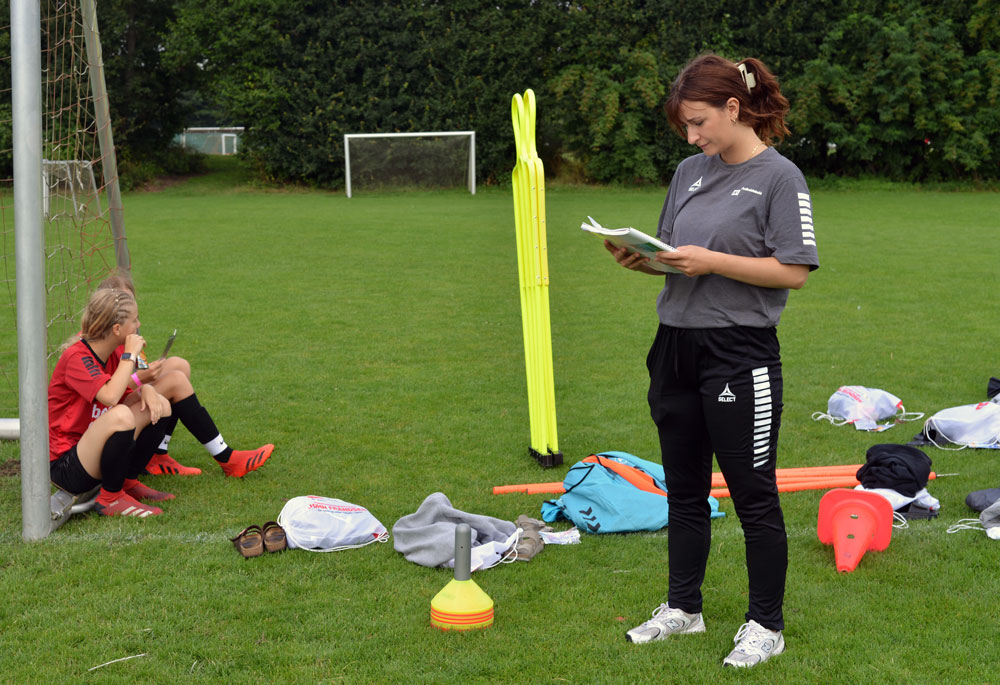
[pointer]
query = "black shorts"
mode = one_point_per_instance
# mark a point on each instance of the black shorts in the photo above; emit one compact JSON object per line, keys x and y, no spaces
{"x":68,"y":473}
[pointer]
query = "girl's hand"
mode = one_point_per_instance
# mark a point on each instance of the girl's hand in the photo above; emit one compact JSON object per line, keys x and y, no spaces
{"x":157,"y":404}
{"x":134,"y":344}
{"x":150,"y":374}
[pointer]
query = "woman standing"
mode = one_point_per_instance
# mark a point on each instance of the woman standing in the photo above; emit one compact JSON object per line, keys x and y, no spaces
{"x":740,"y":215}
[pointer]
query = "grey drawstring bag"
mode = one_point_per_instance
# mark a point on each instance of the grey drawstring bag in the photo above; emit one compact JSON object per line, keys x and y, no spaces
{"x":989,"y":520}
{"x":981,"y":499}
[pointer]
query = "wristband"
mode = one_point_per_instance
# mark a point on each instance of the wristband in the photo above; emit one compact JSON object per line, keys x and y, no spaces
{"x":138,"y":383}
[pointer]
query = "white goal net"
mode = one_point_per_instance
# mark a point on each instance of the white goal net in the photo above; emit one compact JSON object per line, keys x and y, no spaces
{"x":381,"y":161}
{"x":76,"y":220}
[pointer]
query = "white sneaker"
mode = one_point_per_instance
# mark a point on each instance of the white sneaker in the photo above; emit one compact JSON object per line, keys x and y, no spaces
{"x":666,"y":622}
{"x":754,"y":644}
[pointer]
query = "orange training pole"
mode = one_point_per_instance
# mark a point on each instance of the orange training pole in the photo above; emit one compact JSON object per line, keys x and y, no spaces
{"x":530,"y":488}
{"x":798,"y":479}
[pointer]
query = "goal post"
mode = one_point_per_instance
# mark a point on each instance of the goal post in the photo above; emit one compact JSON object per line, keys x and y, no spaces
{"x":470,"y":175}
{"x":61,"y":162}
{"x":29,"y":248}
{"x":102,"y":117}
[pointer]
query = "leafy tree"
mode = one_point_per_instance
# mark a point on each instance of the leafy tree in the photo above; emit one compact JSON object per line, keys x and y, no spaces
{"x":877,"y":78}
{"x":896,"y":97}
{"x":300,"y":74}
{"x":144,"y":86}
{"x":611,"y":125}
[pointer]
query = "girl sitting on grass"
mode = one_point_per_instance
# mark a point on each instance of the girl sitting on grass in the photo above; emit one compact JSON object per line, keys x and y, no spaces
{"x":166,"y":373}
{"x":96,"y":438}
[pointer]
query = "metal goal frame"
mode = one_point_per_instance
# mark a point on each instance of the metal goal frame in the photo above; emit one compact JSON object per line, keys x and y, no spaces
{"x":425,"y":134}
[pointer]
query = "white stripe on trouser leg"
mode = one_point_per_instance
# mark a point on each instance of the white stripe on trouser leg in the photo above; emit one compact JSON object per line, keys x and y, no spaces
{"x":761,"y":416}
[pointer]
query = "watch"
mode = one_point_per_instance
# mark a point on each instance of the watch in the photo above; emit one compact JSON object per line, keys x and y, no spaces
{"x":127,"y":357}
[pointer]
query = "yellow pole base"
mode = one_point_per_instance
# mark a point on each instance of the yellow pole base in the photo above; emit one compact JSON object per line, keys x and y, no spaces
{"x":461,"y":605}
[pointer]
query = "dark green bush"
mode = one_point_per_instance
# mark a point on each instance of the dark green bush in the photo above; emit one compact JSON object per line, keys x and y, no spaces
{"x":902,"y":89}
{"x":897,"y":97}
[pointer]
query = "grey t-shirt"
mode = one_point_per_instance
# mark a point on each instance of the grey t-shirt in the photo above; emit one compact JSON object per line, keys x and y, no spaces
{"x":760,"y":208}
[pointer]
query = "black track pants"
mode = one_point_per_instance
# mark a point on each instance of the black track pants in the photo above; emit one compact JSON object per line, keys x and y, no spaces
{"x":719,"y":391}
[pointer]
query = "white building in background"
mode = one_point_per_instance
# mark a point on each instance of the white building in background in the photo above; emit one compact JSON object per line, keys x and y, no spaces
{"x":211,"y":140}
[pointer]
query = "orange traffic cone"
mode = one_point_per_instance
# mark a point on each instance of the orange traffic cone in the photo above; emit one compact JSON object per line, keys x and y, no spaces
{"x":854,"y":521}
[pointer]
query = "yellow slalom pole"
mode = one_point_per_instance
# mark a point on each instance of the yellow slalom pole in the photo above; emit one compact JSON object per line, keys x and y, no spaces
{"x":522,"y":214}
{"x":544,"y":379}
{"x":535,"y":387}
{"x":548,"y":376}
{"x":530,"y":270}
{"x":528,"y":182}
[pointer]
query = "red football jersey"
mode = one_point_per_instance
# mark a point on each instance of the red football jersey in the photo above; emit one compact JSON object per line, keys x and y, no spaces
{"x":78,"y":376}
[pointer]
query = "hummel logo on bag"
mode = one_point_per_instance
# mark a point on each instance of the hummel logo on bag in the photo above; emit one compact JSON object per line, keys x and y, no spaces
{"x":695,"y":185}
{"x":727,"y":395}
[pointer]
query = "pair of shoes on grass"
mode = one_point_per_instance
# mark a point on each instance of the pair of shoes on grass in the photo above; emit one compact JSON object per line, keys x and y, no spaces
{"x":529,"y":542}
{"x":755,"y":644}
{"x":239,"y":464}
{"x":253,"y":541}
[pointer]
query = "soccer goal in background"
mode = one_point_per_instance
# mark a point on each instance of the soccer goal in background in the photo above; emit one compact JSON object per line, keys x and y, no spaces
{"x":436,"y":159}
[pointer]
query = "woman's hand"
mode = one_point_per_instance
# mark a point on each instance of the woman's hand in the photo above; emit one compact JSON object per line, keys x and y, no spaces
{"x":630,"y":260}
{"x":766,"y":272}
{"x":690,"y":260}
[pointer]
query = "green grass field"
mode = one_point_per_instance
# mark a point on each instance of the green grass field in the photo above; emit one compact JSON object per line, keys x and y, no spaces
{"x":377,"y":342}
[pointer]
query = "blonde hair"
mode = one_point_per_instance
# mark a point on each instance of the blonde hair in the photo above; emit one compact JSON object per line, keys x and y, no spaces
{"x":106,"y":307}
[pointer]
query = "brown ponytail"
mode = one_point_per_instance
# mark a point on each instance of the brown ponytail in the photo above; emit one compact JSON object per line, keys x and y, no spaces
{"x":713,"y":79}
{"x":118,"y":279}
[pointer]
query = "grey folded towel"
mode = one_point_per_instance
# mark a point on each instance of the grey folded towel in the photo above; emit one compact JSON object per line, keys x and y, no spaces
{"x":427,"y":536}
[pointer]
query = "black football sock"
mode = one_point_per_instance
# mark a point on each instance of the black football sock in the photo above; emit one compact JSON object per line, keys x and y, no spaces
{"x":114,"y":460}
{"x":197,"y":420}
{"x":169,"y":423}
{"x":142,"y":451}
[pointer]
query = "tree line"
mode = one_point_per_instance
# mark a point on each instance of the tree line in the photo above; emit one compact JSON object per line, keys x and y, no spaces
{"x":899,"y":89}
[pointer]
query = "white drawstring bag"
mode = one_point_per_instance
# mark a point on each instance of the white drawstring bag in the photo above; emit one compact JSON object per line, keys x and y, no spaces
{"x":865,"y":407}
{"x":970,"y":425}
{"x":325,"y":524}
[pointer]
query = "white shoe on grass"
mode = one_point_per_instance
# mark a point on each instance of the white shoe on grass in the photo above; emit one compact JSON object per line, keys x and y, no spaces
{"x":754,"y":644}
{"x":666,"y":621}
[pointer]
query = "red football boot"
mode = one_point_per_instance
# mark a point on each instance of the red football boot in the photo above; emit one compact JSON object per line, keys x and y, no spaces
{"x":123,"y":504}
{"x":135,"y":489}
{"x":242,"y":462}
{"x":164,"y":464}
